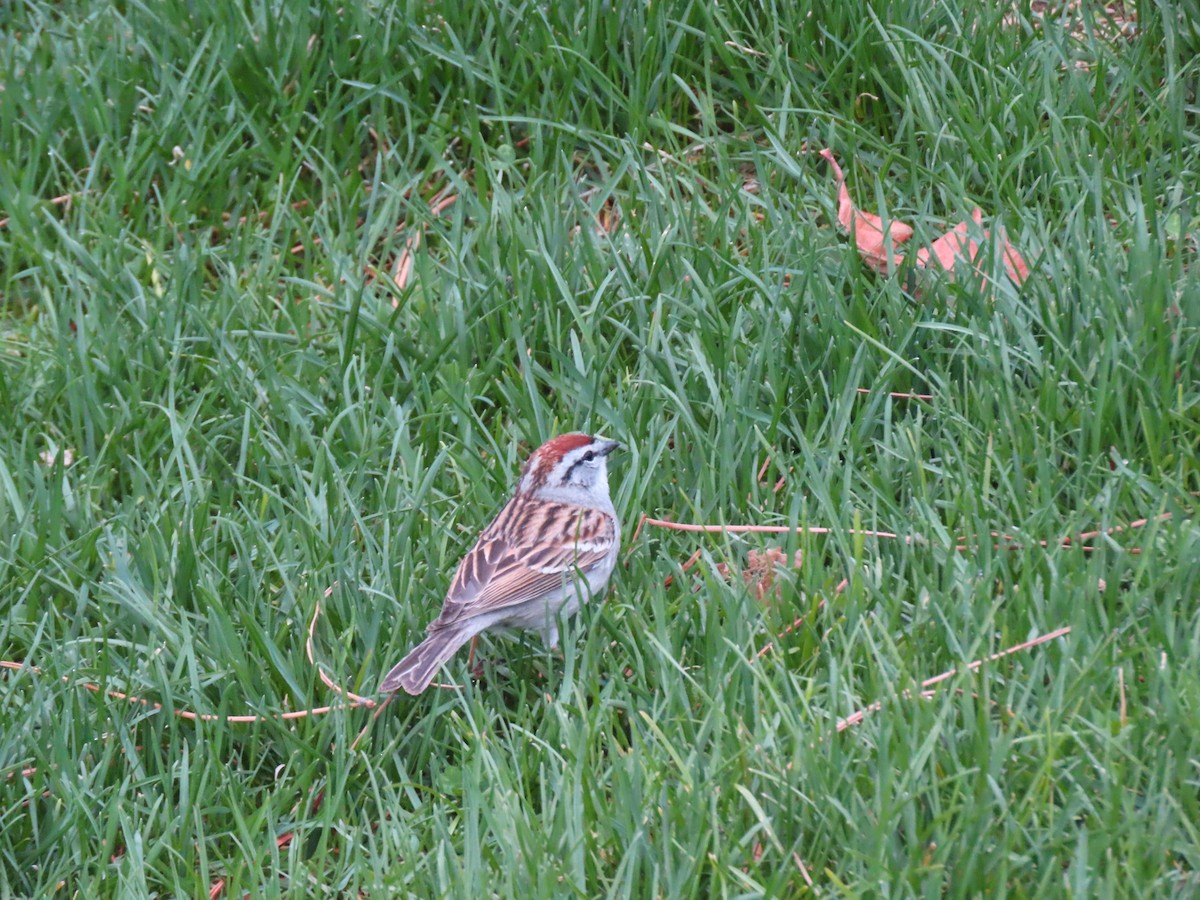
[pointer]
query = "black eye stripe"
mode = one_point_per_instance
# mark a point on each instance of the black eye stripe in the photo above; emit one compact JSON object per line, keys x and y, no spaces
{"x":586,"y":458}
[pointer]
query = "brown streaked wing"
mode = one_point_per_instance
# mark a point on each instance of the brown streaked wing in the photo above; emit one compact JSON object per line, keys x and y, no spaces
{"x":499,"y":572}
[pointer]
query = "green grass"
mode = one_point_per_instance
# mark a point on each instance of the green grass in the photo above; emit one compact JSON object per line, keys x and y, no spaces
{"x":249,"y":425}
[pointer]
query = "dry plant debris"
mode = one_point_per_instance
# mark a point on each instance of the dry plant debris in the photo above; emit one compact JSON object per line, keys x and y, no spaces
{"x":956,"y":252}
{"x":761,"y":570}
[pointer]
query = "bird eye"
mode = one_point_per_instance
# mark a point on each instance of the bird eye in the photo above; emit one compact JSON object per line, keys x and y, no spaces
{"x":589,"y":456}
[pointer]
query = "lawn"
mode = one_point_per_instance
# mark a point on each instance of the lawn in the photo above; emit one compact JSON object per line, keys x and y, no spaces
{"x":288,"y":290}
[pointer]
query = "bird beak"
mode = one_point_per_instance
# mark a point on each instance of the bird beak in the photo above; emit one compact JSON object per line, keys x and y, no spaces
{"x":607,"y":447}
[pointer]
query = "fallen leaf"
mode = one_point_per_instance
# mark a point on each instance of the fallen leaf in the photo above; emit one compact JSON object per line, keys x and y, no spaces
{"x":954,"y":252}
{"x":953,"y":246}
{"x":1014,"y":263}
{"x":956,"y":249}
{"x":876,"y":243}
{"x":760,"y":570}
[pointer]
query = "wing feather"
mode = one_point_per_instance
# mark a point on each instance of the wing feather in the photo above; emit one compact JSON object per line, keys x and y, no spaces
{"x":526,"y":553}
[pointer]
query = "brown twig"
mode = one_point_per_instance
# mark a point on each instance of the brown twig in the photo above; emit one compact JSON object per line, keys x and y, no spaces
{"x":762,"y":470}
{"x":263,"y":215}
{"x":762,"y":474}
{"x":1124,"y":719}
{"x":402,"y":271}
{"x":899,"y":395}
{"x":1010,"y":542}
{"x":766,"y":648}
{"x":760,"y":529}
{"x":404,"y":262}
{"x":691,"y":561}
{"x":803,"y":868}
{"x":355,"y":700}
{"x":636,"y":531}
{"x":218,"y":886}
{"x":65,"y":199}
{"x":308,"y":650}
{"x":857,"y":716}
{"x":770,"y":645}
{"x":182,"y":713}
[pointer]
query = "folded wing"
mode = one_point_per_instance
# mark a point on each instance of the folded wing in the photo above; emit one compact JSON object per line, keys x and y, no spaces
{"x":524,"y":554}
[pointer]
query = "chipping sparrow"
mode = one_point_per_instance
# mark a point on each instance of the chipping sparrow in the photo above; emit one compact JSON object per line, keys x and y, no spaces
{"x":552,"y":546}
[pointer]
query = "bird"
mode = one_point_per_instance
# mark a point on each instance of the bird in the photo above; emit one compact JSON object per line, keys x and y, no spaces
{"x":552,"y":546}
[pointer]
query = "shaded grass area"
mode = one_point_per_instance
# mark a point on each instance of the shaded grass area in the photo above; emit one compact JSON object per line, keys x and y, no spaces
{"x":641,"y":245}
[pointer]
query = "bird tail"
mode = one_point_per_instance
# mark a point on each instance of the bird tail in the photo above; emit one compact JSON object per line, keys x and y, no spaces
{"x":416,"y":671}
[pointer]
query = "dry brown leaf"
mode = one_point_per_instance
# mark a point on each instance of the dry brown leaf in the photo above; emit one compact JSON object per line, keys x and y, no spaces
{"x":954,"y":252}
{"x":956,"y":249}
{"x":1014,"y":263}
{"x":953,"y":247}
{"x":760,"y":570}
{"x":876,"y":244}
